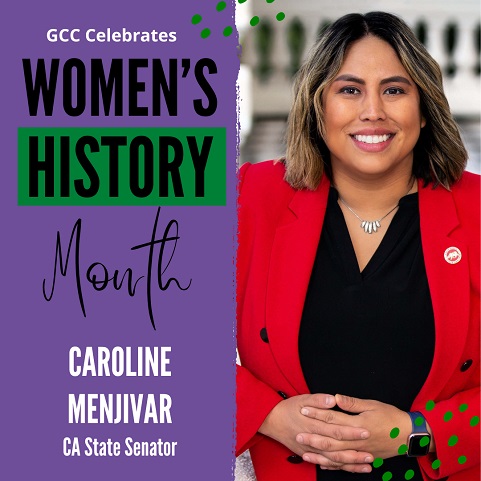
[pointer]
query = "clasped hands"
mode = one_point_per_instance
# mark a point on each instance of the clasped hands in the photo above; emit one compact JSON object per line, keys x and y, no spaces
{"x":349,"y":440}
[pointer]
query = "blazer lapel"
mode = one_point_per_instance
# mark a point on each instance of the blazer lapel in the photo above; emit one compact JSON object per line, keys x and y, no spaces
{"x":293,"y":253}
{"x":448,"y":284}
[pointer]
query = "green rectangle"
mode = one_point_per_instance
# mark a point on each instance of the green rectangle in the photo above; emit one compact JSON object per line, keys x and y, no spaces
{"x":121,"y":166}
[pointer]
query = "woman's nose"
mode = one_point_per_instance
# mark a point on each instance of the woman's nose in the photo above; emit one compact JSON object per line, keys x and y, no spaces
{"x":372,"y":108}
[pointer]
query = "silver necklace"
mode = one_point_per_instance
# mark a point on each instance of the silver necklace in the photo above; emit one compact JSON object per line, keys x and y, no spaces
{"x":370,"y":226}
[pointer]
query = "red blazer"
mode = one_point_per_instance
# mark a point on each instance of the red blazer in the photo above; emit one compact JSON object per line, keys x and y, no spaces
{"x":279,"y":231}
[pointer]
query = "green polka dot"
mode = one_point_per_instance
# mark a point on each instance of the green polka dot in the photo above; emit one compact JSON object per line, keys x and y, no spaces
{"x":474,"y":421}
{"x":430,"y":405}
{"x":377,"y":462}
{"x":394,"y":433}
{"x":403,"y":449}
{"x":463,"y":408}
{"x":387,"y":476}
{"x":205,"y":33}
{"x":227,"y":31}
{"x":270,"y":1}
{"x":462,"y":459}
{"x":220,"y":6}
{"x":448,"y":416}
{"x":409,"y":474}
{"x":196,"y":19}
{"x":254,"y":21}
{"x":419,"y":421}
{"x":424,"y":441}
{"x":436,"y":463}
{"x":280,"y":16}
{"x":453,"y":440}
{"x":242,"y":1}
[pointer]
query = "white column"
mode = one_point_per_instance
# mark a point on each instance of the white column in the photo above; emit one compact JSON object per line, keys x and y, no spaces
{"x":435,"y":40}
{"x":280,"y":53}
{"x":311,"y":25}
{"x":465,"y":52}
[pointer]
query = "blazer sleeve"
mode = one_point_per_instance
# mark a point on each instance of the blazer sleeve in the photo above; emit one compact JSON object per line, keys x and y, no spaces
{"x":255,"y":399}
{"x":455,"y":426}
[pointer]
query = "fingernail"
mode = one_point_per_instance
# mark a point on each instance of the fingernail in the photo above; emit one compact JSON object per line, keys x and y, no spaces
{"x":368,"y":459}
{"x":365,"y":470}
{"x":329,"y":400}
{"x":305,"y":411}
{"x":299,"y":439}
{"x":323,"y":468}
{"x":306,"y":458}
{"x":364,"y":435}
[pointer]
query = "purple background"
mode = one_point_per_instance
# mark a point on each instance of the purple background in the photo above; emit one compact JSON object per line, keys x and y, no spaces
{"x":198,"y":323}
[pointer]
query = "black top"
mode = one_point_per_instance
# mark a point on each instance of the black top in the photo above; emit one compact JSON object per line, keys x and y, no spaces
{"x":369,"y":334}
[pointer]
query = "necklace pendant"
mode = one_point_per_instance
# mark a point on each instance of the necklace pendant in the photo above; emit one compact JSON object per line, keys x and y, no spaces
{"x":370,"y":226}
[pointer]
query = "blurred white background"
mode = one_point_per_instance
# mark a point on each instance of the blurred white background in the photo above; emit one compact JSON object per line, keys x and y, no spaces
{"x":273,"y":49}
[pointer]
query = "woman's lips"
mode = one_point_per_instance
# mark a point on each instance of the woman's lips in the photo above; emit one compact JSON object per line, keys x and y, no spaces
{"x":372,"y":143}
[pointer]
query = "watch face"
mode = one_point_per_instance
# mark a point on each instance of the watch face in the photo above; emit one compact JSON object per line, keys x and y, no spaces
{"x":419,"y":444}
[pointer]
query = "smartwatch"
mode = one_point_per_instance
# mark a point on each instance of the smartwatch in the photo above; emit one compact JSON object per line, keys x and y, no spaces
{"x":419,"y":440}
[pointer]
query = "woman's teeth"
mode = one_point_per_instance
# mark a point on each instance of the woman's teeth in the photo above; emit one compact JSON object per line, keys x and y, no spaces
{"x":372,"y":139}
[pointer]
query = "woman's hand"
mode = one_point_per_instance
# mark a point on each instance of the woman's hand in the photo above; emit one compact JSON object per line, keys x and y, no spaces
{"x":378,"y":418}
{"x":285,"y":422}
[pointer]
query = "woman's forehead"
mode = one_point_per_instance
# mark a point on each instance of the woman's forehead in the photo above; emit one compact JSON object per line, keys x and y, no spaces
{"x":372,"y":56}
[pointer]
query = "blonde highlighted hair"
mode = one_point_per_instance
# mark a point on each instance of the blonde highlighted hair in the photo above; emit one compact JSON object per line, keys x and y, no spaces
{"x":439,"y":155}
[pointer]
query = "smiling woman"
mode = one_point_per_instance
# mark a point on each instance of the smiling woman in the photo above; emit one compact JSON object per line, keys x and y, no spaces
{"x":358,"y":332}
{"x":372,"y":106}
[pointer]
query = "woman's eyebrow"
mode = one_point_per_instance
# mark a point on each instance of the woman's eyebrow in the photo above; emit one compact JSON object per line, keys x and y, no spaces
{"x":396,"y":78}
{"x":354,"y":79}
{"x":349,"y":78}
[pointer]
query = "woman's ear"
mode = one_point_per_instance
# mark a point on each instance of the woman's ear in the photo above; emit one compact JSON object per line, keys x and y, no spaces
{"x":423,"y":121}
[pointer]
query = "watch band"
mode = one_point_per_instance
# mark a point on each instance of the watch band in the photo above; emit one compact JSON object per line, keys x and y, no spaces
{"x":418,"y":426}
{"x":419,"y":440}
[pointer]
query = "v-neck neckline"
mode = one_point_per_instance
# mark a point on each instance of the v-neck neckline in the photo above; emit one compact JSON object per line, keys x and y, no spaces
{"x":388,"y":243}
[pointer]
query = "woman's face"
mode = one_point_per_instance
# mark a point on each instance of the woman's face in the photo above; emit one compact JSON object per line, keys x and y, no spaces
{"x":372,"y":113}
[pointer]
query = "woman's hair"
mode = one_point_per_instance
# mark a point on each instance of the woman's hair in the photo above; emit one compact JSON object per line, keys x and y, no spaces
{"x":439,"y":155}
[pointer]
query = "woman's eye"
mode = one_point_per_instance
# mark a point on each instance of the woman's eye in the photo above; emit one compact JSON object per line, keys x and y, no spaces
{"x":349,"y":90}
{"x":394,"y":91}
